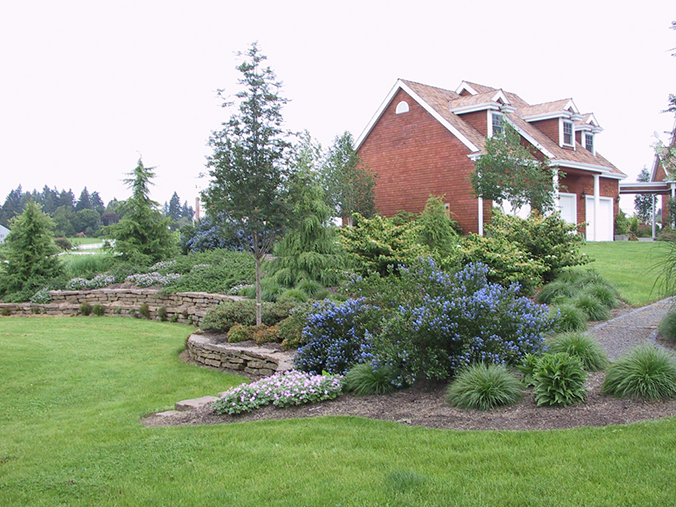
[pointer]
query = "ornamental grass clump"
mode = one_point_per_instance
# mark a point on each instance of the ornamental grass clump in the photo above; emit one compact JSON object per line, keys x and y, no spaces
{"x":569,"y":318}
{"x":484,"y":386}
{"x":582,"y":346}
{"x":647,"y":372}
{"x":281,"y":390}
{"x":668,"y":326}
{"x":592,"y":306}
{"x":366,"y":378}
{"x":559,"y":379}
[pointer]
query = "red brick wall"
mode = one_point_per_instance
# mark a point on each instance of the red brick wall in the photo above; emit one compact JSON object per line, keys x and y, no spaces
{"x":478,"y":120}
{"x":550,"y":128}
{"x":414,"y":156}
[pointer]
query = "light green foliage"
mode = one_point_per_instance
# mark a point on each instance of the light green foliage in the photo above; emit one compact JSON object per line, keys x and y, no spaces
{"x":582,"y":346}
{"x":214,"y":271}
{"x":548,"y":239}
{"x":509,"y":172}
{"x":363,"y":379}
{"x":32,"y":262}
{"x":668,"y":326}
{"x":142,"y":235}
{"x":570,"y":318}
{"x":621,"y":223}
{"x":221,"y":318}
{"x":559,"y":379}
{"x":506,"y":261}
{"x":647,"y":372}
{"x":484,"y":387}
{"x":592,"y":306}
{"x":437,"y":232}
{"x":240,"y":333}
{"x":379,"y":245}
{"x":309,"y":250}
{"x":349,"y":184}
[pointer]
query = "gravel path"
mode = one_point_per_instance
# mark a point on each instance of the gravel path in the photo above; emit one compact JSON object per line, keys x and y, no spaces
{"x":638,"y":327}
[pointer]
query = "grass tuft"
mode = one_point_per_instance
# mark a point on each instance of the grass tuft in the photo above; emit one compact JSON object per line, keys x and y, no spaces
{"x":647,"y":372}
{"x":583,"y":347}
{"x":363,"y":379}
{"x":592,"y":306}
{"x":571,"y":318}
{"x":483,"y":387}
{"x":668,"y":326}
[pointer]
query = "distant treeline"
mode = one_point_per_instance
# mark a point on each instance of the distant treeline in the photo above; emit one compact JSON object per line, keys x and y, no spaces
{"x":85,"y":215}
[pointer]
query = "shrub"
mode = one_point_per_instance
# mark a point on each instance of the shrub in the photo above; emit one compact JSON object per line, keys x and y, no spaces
{"x":668,"y":326}
{"x":647,"y":372}
{"x":144,"y":311}
{"x":337,"y":337}
{"x":364,"y":379}
{"x":291,"y":328}
{"x":240,"y":333}
{"x":41,"y":297}
{"x":98,"y":310}
{"x":221,"y":318}
{"x":216,"y":271}
{"x":266,"y":334}
{"x":282,"y":390}
{"x":483,"y":386}
{"x":570,"y":318}
{"x":63,"y":243}
{"x":559,"y":380}
{"x":6,"y":311}
{"x":162,"y":313}
{"x":294,"y":294}
{"x":582,"y":346}
{"x":153,"y":278}
{"x":85,"y":309}
{"x":592,"y":306}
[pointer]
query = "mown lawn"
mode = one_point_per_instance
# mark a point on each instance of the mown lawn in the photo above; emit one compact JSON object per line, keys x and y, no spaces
{"x":633,"y":267}
{"x":72,"y":391}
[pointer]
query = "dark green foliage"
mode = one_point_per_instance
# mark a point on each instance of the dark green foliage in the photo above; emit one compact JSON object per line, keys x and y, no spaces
{"x":582,"y":346}
{"x":88,"y":266}
{"x":142,"y":235}
{"x":98,"y":310}
{"x":291,"y":328}
{"x":483,"y":386}
{"x":63,"y":243}
{"x":592,"y":306}
{"x":547,"y":239}
{"x":85,"y":309}
{"x":559,"y":380}
{"x":221,"y":318}
{"x":621,"y":223}
{"x":364,"y":379}
{"x":647,"y":372}
{"x":668,"y":326}
{"x":240,"y":333}
{"x":214,"y":271}
{"x":144,"y":311}
{"x":248,"y":169}
{"x":570,"y":318}
{"x":162,"y":313}
{"x":32,"y":262}
{"x":6,"y":311}
{"x":643,"y":203}
{"x":509,"y":172}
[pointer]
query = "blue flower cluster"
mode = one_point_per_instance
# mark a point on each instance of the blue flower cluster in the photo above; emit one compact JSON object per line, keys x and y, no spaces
{"x":337,"y":337}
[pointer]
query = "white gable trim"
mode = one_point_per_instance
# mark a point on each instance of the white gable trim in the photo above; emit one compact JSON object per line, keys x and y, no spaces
{"x":530,"y":139}
{"x":605,"y":171}
{"x":401,"y":85}
{"x":466,"y":86}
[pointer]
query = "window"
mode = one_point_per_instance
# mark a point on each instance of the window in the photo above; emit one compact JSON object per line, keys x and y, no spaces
{"x":589,"y":142}
{"x":496,"y":120}
{"x":402,"y":107}
{"x":568,"y":133}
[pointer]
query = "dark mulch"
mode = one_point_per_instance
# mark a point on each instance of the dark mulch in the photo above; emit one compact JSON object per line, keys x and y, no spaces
{"x":426,"y":407}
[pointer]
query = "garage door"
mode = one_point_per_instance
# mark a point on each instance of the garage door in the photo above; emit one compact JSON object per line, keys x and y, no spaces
{"x":603,"y":231}
{"x":568,"y":207}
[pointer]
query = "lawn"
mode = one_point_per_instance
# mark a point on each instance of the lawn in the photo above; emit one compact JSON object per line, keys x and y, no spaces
{"x":633,"y":267}
{"x":73,"y":391}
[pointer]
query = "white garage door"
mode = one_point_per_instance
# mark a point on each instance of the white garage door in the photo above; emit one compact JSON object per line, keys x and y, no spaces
{"x":603,"y":231}
{"x":568,"y":207}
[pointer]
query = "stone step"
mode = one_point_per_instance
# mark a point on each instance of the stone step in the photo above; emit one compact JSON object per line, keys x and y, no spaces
{"x":186,"y":405}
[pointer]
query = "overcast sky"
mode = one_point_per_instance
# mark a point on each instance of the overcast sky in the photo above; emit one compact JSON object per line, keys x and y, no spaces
{"x":87,"y":87}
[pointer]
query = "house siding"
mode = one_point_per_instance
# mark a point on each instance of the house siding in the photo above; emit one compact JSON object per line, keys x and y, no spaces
{"x":478,"y":120}
{"x":414,"y":156}
{"x":550,"y":128}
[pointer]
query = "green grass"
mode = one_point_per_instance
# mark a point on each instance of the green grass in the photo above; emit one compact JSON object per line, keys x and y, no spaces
{"x":72,"y":391}
{"x":632,"y":267}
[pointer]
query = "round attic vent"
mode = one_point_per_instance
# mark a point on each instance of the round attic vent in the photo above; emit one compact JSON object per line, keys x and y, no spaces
{"x":402,"y":107}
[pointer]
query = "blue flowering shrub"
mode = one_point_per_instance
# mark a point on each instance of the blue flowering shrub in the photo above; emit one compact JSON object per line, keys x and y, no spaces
{"x":430,"y":328}
{"x":336,"y":336}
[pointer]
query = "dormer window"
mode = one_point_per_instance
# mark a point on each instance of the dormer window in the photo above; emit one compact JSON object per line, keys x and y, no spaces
{"x":568,"y":133}
{"x":589,"y":142}
{"x":496,"y":121}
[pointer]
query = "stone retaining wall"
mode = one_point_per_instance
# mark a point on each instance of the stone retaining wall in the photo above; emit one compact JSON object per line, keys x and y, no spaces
{"x":259,"y":361}
{"x":184,"y":307}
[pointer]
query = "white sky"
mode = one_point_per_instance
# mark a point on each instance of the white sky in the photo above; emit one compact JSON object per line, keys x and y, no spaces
{"x":86,"y":87}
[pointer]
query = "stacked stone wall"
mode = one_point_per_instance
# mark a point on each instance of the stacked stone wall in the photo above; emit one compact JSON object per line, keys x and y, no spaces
{"x":183,"y":307}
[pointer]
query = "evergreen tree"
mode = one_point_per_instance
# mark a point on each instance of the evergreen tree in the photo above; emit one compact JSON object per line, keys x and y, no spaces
{"x":142,"y":235}
{"x":13,"y":206}
{"x":174,"y":209}
{"x":187,"y":211}
{"x":97,"y":203}
{"x":84,"y":202}
{"x":309,"y":250}
{"x":248,"y":168}
{"x":32,"y":263}
{"x":67,"y":199}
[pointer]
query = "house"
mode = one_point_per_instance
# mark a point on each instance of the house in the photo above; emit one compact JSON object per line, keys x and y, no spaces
{"x":424,"y":140}
{"x":4,"y":231}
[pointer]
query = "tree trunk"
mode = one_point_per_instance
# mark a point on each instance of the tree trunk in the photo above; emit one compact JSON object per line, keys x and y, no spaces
{"x":259,"y":306}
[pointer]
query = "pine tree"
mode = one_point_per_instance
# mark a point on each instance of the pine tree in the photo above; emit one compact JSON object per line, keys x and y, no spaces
{"x":84,"y":202}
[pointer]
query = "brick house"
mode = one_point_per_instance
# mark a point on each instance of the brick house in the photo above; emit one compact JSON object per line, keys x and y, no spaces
{"x":424,"y":140}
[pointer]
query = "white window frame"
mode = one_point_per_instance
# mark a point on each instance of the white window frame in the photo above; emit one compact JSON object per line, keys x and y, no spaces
{"x":591,"y":136}
{"x":491,"y":115}
{"x":563,"y":133}
{"x":402,"y":107}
